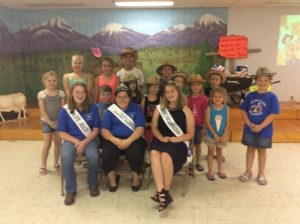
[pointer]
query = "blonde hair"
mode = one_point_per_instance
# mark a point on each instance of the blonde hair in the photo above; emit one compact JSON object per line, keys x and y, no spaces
{"x":180,"y":101}
{"x":220,"y":90}
{"x":46,"y":75}
{"x":77,"y":56}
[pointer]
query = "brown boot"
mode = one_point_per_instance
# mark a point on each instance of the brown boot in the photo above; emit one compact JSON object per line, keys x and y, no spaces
{"x":70,"y":198}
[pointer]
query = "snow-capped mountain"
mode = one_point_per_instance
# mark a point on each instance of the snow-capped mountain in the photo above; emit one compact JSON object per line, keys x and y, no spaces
{"x":207,"y":28}
{"x":52,"y":35}
{"x":6,"y":39}
{"x":117,"y":36}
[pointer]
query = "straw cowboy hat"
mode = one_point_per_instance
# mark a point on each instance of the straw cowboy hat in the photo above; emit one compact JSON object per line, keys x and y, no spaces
{"x":196,"y":78}
{"x":153,"y":80}
{"x":129,"y":77}
{"x":129,"y":50}
{"x":159,"y":68}
{"x":263,"y":71}
{"x":178,"y":74}
{"x":217,"y":70}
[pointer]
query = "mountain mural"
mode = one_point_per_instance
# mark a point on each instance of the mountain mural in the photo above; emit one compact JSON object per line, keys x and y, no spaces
{"x":56,"y":34}
{"x":118,"y":36}
{"x":6,"y":39}
{"x":207,"y":28}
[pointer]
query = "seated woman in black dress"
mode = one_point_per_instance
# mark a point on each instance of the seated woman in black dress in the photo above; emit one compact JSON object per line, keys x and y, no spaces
{"x":172,"y":127}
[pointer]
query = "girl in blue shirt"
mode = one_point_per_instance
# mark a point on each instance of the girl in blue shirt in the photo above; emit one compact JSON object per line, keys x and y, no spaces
{"x":217,"y":123}
{"x":258,"y":111}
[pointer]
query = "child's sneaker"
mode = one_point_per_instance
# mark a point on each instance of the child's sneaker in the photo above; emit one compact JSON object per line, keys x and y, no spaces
{"x":261,"y":180}
{"x":245,"y":177}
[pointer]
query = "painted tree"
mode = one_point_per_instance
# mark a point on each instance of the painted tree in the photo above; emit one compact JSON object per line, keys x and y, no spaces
{"x":205,"y":62}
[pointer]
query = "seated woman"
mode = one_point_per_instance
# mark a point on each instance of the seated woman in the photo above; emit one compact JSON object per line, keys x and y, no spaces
{"x":78,"y":126}
{"x":122,"y":130}
{"x":172,"y":126}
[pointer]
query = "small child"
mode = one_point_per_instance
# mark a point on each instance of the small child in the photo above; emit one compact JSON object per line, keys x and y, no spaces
{"x":165,"y":71}
{"x":105,"y":97}
{"x":258,"y":111}
{"x":78,"y":75}
{"x":131,"y":82}
{"x":217,"y":123}
{"x":106,"y":78}
{"x":149,"y":103}
{"x":215,"y":78}
{"x":129,"y":57}
{"x":180,"y":78}
{"x":50,"y":101}
{"x":198,"y":103}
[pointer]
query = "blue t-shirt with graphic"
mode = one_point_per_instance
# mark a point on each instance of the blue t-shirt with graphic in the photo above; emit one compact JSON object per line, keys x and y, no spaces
{"x":117,"y":127}
{"x":66,"y":124}
{"x":258,"y":106}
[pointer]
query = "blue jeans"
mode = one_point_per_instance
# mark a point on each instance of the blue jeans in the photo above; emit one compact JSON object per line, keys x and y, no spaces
{"x":68,"y":155}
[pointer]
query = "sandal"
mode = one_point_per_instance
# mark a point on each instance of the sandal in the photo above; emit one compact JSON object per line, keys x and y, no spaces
{"x":155,"y":198}
{"x":261,"y":180}
{"x":191,"y":171}
{"x":210,"y":178}
{"x":57,"y":168}
{"x":222,"y":175}
{"x":43,"y":171}
{"x":199,"y":167}
{"x":245,"y":177}
{"x":163,"y":195}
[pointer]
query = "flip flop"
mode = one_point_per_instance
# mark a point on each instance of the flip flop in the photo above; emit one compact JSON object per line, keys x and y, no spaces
{"x":222,"y":175}
{"x":210,"y":178}
{"x":57,"y":168}
{"x":42,"y":171}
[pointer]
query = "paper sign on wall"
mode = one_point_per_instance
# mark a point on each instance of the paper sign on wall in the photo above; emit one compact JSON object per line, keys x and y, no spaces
{"x":233,"y":46}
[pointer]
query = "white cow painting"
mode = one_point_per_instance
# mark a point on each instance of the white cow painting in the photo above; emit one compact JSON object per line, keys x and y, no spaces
{"x":13,"y":102}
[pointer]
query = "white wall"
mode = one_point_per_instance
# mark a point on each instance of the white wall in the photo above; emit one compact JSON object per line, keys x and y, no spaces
{"x":261,"y":26}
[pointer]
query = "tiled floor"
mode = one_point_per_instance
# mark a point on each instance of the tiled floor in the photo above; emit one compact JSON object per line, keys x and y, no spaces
{"x":26,"y":197}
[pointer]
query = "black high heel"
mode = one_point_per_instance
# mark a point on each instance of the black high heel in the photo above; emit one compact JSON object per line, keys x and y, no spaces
{"x":114,"y":188}
{"x":163,"y":195}
{"x":155,"y":198}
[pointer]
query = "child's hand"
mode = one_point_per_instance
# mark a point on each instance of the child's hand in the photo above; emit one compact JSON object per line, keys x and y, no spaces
{"x":256,"y":128}
{"x":53,"y":124}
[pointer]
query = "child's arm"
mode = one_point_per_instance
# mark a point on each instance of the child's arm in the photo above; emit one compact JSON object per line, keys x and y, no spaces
{"x":90,"y":84}
{"x":66,"y":84}
{"x":96,"y":92}
{"x":45,"y":115}
{"x":268,"y":120}
{"x":246,"y":119}
{"x":208,"y":125}
{"x":225,"y":136}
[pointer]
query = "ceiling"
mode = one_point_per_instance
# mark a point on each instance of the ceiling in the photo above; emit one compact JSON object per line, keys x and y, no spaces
{"x":108,"y":4}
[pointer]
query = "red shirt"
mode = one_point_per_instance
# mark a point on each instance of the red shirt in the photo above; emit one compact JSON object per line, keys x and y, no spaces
{"x":198,"y":106}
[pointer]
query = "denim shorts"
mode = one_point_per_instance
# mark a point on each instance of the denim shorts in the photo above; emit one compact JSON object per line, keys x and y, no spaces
{"x":211,"y":142}
{"x":197,"y":136}
{"x":46,"y":128}
{"x":257,"y":141}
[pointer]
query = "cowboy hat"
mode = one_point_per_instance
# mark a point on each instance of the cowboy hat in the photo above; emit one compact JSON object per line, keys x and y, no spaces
{"x":159,"y":68}
{"x":129,"y":77}
{"x":178,"y":74}
{"x":196,"y":78}
{"x":153,"y":80}
{"x":129,"y":50}
{"x":217,"y":70}
{"x":263,"y":71}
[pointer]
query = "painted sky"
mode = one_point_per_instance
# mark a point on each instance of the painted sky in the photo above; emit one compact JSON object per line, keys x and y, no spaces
{"x":90,"y":22}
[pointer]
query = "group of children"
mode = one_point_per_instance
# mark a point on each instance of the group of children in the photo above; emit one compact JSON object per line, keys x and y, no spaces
{"x":208,"y":105}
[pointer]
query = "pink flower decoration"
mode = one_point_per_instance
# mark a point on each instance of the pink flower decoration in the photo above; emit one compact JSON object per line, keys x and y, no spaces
{"x":97,"y":52}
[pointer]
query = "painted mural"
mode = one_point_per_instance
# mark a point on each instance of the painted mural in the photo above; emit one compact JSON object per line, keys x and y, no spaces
{"x":34,"y":49}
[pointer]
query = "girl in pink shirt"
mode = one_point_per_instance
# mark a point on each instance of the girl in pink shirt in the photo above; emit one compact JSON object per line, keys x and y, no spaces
{"x":106,"y":78}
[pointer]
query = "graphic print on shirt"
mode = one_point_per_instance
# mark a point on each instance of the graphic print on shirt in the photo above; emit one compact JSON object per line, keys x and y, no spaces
{"x":218,"y":120}
{"x":194,"y":111}
{"x":150,"y":110}
{"x":256,"y":108}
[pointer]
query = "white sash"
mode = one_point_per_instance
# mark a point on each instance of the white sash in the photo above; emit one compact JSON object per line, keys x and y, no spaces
{"x":172,"y":125}
{"x":122,"y":116}
{"x":78,"y":120}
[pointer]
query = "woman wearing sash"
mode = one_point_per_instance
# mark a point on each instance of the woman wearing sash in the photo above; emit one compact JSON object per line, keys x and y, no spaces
{"x":78,"y":126}
{"x":122,"y":129}
{"x":172,"y":127}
